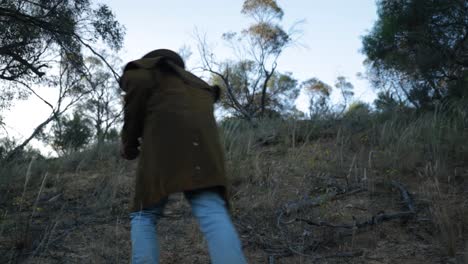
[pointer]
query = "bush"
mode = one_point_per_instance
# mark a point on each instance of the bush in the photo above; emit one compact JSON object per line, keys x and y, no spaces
{"x":71,"y":134}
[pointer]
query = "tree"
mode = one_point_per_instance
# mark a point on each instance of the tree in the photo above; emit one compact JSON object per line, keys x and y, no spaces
{"x":249,"y":79}
{"x":71,"y":134}
{"x":319,"y":96}
{"x":357,"y":109}
{"x":280,"y":95}
{"x":40,"y":37}
{"x":102,"y":104}
{"x":418,"y":50}
{"x":70,"y":91}
{"x":6,"y":144}
{"x":35,"y":31}
{"x":385,"y":102}
{"x":346,"y":90}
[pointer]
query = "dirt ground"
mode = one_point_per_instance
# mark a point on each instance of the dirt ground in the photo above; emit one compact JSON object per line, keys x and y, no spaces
{"x":286,"y":209}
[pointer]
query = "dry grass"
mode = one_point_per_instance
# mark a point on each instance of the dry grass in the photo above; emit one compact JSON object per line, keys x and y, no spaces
{"x":74,"y":209}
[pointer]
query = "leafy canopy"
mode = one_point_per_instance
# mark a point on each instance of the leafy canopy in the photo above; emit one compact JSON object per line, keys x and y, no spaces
{"x":419,"y":48}
{"x":35,"y":32}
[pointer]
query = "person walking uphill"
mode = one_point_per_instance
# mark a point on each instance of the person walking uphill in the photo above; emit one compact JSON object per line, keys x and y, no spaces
{"x":169,"y":123}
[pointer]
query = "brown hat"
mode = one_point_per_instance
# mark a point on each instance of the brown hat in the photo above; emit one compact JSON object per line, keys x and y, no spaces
{"x":169,"y":54}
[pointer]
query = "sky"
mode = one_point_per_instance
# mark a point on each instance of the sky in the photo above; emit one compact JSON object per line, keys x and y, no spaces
{"x":328,"y":47}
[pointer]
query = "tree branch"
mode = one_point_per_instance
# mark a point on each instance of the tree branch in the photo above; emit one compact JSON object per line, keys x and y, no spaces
{"x":116,"y":75}
{"x":268,"y":75}
{"x":34,"y":92}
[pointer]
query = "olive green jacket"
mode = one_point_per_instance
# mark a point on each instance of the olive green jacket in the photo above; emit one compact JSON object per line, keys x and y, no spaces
{"x":169,"y":122}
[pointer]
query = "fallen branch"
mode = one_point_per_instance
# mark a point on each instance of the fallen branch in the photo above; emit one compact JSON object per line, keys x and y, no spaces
{"x":342,"y":255}
{"x":317,"y":201}
{"x":295,"y":206}
{"x":405,"y":196}
{"x":317,"y":256}
{"x":374,"y":220}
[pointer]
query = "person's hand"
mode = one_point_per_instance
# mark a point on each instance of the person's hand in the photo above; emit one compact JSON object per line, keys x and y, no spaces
{"x":129,"y":153}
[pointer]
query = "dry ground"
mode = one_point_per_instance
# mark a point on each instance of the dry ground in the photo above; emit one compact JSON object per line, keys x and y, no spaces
{"x":81,"y":216}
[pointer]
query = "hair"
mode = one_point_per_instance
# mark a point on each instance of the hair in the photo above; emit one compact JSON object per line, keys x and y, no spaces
{"x":168,"y":54}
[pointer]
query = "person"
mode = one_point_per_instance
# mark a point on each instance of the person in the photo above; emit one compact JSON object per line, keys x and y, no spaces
{"x":169,"y":123}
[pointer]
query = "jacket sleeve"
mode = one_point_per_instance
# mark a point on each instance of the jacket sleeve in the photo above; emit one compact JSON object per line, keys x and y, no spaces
{"x":137,"y":90}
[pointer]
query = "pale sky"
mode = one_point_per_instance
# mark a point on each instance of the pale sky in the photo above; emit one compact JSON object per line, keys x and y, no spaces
{"x":330,"y":42}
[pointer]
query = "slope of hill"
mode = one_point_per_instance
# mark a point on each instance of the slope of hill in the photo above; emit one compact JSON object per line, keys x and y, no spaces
{"x":370,"y":188}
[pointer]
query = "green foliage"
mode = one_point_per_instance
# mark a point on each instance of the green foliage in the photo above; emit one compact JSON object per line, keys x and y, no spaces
{"x":113,"y":135}
{"x":357,"y":108}
{"x":319,"y":96}
{"x":437,"y":136}
{"x":106,"y":27}
{"x":253,"y":87}
{"x":34,"y":33}
{"x":271,"y":37}
{"x":266,"y":33}
{"x":417,"y":50}
{"x":6,"y":145}
{"x":262,"y":10}
{"x":386,"y":102}
{"x":316,"y":86}
{"x":71,"y":134}
{"x":101,"y":105}
{"x":357,"y":117}
{"x":401,"y":140}
{"x":346,"y":90}
{"x":281,"y":91}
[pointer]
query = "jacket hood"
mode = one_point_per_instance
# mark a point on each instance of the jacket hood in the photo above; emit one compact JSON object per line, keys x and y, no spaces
{"x":168,"y":54}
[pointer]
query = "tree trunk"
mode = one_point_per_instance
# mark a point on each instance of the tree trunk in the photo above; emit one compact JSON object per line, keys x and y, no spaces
{"x":264,"y":90}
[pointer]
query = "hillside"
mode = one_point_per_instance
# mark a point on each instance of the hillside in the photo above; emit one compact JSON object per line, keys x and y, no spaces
{"x":370,"y":188}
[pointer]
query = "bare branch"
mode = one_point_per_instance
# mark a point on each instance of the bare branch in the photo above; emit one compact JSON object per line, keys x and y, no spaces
{"x":34,"y":92}
{"x":116,"y":75}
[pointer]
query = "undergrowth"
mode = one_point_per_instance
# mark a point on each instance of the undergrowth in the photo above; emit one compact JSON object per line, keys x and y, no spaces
{"x":273,"y":160}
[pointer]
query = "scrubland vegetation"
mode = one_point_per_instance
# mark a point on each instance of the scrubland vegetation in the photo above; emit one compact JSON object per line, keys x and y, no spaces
{"x":302,"y":191}
{"x":345,"y":182}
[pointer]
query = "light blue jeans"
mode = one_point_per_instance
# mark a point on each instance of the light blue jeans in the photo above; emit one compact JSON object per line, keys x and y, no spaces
{"x":210,"y":209}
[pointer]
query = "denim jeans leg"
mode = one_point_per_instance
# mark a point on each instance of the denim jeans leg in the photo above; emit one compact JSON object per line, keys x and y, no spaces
{"x":145,"y":245}
{"x":215,"y":223}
